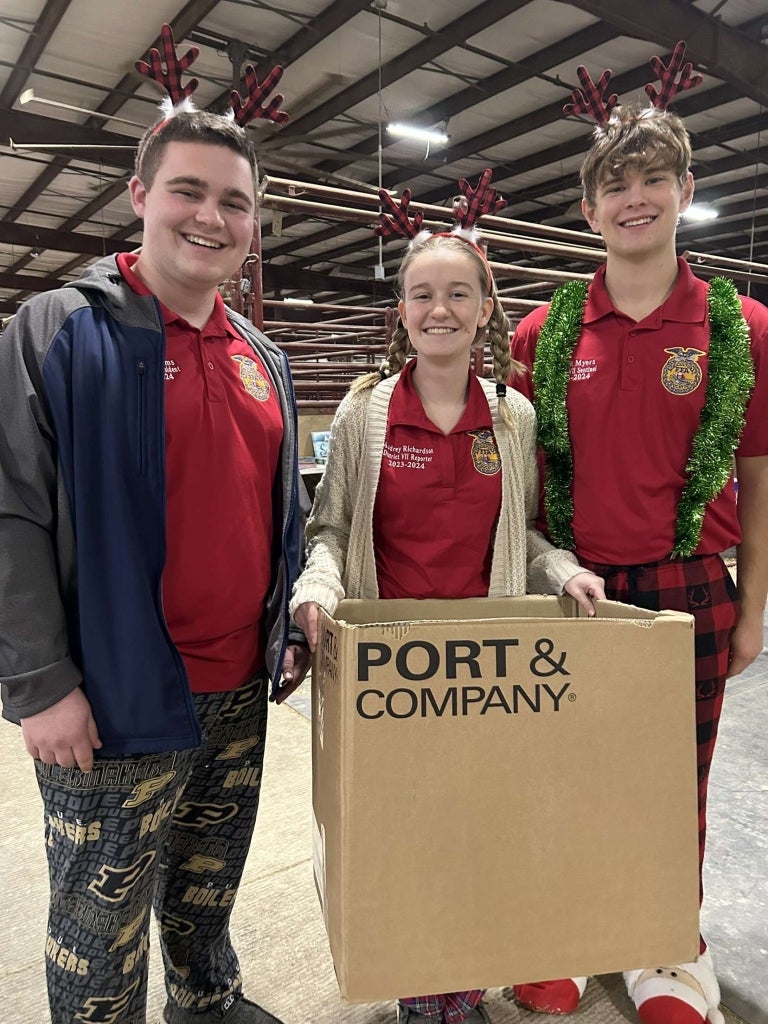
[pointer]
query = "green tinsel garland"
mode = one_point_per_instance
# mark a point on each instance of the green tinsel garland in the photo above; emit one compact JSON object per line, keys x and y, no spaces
{"x":731,"y":377}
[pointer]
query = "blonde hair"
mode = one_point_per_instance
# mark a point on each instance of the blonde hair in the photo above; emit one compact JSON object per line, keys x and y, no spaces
{"x":636,"y":137}
{"x":497,"y":328}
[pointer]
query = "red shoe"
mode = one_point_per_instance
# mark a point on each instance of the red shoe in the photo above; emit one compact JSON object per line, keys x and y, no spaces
{"x":560,"y":996}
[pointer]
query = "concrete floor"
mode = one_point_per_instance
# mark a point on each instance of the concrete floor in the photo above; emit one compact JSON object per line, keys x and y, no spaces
{"x":278,"y":926}
{"x":735,"y":909}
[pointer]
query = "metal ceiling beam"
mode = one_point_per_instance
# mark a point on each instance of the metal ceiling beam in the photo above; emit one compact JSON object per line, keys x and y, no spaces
{"x":724,"y":51}
{"x":301,"y":42}
{"x":27,"y":128}
{"x":322,"y":25}
{"x":437,"y":43}
{"x":470,"y":147}
{"x":290,"y":278}
{"x":37,"y":41}
{"x":521,"y":71}
{"x":30,"y":283}
{"x":625,"y":83}
{"x":687,"y":103}
{"x":190,"y":15}
{"x":188,"y":18}
{"x":128,"y":231}
{"x":32,"y":128}
{"x":746,"y":159}
{"x":29,"y":237}
{"x":735,"y":230}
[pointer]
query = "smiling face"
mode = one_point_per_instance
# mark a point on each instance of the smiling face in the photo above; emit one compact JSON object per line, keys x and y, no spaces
{"x":198,"y":219}
{"x":636,"y":211}
{"x":444,"y":307}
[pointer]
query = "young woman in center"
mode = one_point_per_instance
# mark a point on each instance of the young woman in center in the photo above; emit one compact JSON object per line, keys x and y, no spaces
{"x":431,"y":485}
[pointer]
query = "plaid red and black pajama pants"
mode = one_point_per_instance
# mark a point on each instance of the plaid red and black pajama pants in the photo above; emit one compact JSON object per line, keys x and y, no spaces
{"x":167,"y":830}
{"x":701,"y":585}
{"x":450,"y":1008}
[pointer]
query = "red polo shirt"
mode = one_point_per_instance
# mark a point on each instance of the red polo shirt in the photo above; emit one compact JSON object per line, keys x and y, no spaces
{"x":223,"y":432}
{"x":634,"y":404}
{"x":438,"y":499}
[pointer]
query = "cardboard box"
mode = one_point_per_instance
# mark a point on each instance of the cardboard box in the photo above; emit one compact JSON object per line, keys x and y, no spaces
{"x":504,"y":791}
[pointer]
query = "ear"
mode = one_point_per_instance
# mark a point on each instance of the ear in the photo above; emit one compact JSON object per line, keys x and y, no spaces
{"x":686,"y":196}
{"x":138,"y":194}
{"x":486,"y":310}
{"x":401,"y":311}
{"x":589,"y":213}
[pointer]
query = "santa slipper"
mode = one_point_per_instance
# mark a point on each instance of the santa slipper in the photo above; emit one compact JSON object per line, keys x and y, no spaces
{"x":686,"y":994}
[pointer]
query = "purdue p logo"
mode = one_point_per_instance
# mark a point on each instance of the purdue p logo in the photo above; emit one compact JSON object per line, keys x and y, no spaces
{"x":108,"y":1009}
{"x":240,"y":699}
{"x":113,"y":884}
{"x":192,"y":815}
{"x":146,"y":790}
{"x":199,"y":863}
{"x":178,"y":926}
{"x":129,"y":932}
{"x":237,"y":749}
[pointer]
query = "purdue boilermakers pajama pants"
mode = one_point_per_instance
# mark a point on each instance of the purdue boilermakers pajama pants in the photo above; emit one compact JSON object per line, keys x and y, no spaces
{"x":171,"y":830}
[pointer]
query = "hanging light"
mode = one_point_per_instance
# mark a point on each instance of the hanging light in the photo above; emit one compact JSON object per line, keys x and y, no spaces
{"x":412,"y":131}
{"x":700,"y":212}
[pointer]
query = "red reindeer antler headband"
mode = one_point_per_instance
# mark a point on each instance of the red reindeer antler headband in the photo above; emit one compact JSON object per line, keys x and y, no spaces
{"x":468,"y":208}
{"x":166,"y":70}
{"x":671,"y":85}
{"x":592,"y":100}
{"x":397,"y":223}
{"x":474,"y":203}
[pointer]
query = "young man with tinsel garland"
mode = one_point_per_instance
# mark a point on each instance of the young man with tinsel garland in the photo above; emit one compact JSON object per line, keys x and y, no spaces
{"x":647,"y":382}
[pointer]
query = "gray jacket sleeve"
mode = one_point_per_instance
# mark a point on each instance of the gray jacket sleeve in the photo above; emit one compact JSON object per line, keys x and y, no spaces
{"x":36,"y":544}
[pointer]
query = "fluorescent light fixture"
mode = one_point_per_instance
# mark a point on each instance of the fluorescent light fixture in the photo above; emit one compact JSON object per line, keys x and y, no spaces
{"x":291,"y":301}
{"x":412,"y":131}
{"x":699,"y":212}
{"x":28,"y":96}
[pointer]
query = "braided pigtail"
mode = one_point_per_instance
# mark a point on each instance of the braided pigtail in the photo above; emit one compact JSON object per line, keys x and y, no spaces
{"x":399,"y":347}
{"x":503,"y":363}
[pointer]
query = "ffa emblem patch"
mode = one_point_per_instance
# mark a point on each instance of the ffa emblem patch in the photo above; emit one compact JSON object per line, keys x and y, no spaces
{"x":254,"y":381}
{"x":485,"y":454}
{"x":681,"y":374}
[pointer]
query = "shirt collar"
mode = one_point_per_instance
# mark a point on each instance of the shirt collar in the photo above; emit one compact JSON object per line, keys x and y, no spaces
{"x":218,"y":325}
{"x":405,"y":408}
{"x":687,"y":303}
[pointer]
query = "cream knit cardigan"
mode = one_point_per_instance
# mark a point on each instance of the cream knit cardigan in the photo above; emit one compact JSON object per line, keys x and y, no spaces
{"x":340,"y":556}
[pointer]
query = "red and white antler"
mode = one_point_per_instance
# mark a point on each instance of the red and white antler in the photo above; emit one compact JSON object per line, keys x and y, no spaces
{"x":591,"y":99}
{"x":397,"y":223}
{"x":671,"y":85}
{"x":253,"y":107}
{"x":474,"y":203}
{"x":169,"y":77}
